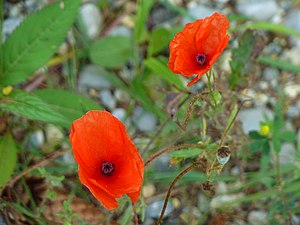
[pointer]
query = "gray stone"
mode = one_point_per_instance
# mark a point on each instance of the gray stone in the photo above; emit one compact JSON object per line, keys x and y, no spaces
{"x":257,"y":218}
{"x":9,"y":25}
{"x":220,"y":200}
{"x":90,"y":77}
{"x":122,"y":96}
{"x":287,"y":153}
{"x":92,"y":19}
{"x":121,"y":30}
{"x":162,"y":164}
{"x":197,"y":11}
{"x":271,"y":75}
{"x":107,"y":99}
{"x":120,"y":113}
{"x":153,"y":210}
{"x":252,"y":117}
{"x":34,"y":5}
{"x":257,"y":9}
{"x":292,"y":20}
{"x":37,"y":138}
{"x":145,"y":121}
{"x":293,"y":111}
{"x":292,"y":90}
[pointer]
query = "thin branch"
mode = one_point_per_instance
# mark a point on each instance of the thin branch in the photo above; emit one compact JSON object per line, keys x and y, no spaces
{"x":157,"y":154}
{"x":135,"y":215}
{"x":170,"y":189}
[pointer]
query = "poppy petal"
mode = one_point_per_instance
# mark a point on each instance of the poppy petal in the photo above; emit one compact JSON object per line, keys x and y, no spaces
{"x":108,"y":201}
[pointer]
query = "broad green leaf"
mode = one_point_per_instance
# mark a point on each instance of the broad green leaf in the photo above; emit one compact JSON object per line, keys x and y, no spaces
{"x":68,"y":104}
{"x":278,"y":28}
{"x":163,"y":72}
{"x":8,"y":158}
{"x":32,"y":107}
{"x":143,"y":9}
{"x":277,"y":63}
{"x":32,"y":44}
{"x":186,"y":153}
{"x":159,"y":39}
{"x":111,"y":51}
{"x":289,"y":136}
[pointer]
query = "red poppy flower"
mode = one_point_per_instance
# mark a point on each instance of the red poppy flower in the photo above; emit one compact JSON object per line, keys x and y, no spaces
{"x":196,"y":48}
{"x":109,"y":164}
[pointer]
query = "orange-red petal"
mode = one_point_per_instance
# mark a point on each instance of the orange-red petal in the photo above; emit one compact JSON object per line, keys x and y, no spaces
{"x":205,"y":36}
{"x":98,"y":137}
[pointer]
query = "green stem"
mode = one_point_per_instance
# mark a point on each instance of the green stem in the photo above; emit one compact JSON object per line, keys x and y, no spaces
{"x":208,"y":75}
{"x":280,"y":188}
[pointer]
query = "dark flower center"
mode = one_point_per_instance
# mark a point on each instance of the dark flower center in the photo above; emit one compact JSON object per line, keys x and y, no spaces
{"x":107,"y":168}
{"x":201,"y":59}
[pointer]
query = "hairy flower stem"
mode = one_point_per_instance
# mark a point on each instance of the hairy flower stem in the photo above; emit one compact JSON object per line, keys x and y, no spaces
{"x":157,"y":154}
{"x":170,"y":189}
{"x":136,"y":219}
{"x":227,"y":129}
{"x":208,"y":75}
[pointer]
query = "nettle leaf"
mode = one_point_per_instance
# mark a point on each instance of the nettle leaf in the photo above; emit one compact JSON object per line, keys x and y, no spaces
{"x":32,"y":44}
{"x":69,"y":104}
{"x":32,"y":107}
{"x":111,"y":51}
{"x":8,"y":158}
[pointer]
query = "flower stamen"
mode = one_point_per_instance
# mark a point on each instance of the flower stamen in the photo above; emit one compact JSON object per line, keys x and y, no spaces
{"x":201,"y":59}
{"x":107,"y":168}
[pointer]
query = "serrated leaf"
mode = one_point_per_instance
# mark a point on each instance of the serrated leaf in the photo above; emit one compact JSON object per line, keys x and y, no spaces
{"x":8,"y":158}
{"x":289,"y":136}
{"x":111,"y":51}
{"x":161,"y":70}
{"x":186,"y":153}
{"x":69,"y":104}
{"x":33,"y":42}
{"x":30,"y":106}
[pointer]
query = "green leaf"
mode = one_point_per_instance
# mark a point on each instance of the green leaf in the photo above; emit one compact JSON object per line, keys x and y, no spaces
{"x":288,"y":136}
{"x":28,"y":105}
{"x":111,"y":51}
{"x":241,"y":58}
{"x":259,"y":145}
{"x":69,"y":104}
{"x":231,"y":117}
{"x":215,"y":97}
{"x":32,"y":44}
{"x":159,"y":39}
{"x":8,"y":158}
{"x":276,"y":144}
{"x":143,"y":9}
{"x":163,"y":72}
{"x":186,"y":153}
{"x":271,"y":27}
{"x":256,"y":135}
{"x":277,"y":63}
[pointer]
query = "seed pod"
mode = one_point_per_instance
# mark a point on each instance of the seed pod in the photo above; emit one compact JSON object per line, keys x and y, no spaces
{"x":223,"y":155}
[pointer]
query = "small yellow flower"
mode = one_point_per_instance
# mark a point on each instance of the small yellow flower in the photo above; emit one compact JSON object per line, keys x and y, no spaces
{"x":7,"y":90}
{"x":264,"y":130}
